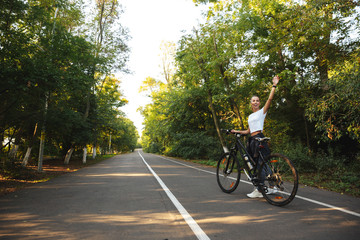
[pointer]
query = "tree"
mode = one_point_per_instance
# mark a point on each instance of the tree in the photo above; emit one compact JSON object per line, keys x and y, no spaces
{"x":194,"y":55}
{"x":237,"y":52}
{"x":110,"y":39}
{"x":336,"y":112}
{"x":167,"y":60}
{"x":50,"y":72}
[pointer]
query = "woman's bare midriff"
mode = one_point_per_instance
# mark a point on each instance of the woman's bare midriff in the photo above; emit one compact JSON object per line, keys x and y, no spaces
{"x":255,"y":133}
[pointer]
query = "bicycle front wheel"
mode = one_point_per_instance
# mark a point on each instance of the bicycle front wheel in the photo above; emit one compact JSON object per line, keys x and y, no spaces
{"x":228,"y":172}
{"x":278,"y":180}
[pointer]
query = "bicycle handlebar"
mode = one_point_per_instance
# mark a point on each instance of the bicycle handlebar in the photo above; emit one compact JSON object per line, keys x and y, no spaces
{"x":228,"y":131}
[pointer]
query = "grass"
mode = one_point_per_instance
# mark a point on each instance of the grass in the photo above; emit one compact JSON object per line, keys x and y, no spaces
{"x":343,"y":185}
{"x":336,"y":180}
{"x":13,"y":176}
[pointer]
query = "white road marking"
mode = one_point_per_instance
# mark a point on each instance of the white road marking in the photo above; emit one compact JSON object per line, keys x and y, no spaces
{"x":200,"y":234}
{"x":297,"y":196}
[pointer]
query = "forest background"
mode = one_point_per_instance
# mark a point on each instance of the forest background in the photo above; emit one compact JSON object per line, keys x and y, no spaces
{"x":59,"y":94}
{"x":211,"y":74}
{"x":58,"y":91}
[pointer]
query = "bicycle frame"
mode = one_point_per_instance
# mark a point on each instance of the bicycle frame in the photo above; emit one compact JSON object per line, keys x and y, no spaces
{"x":239,"y":147}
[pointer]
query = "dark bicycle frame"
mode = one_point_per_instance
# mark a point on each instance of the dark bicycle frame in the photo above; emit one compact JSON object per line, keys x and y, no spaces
{"x":239,"y":147}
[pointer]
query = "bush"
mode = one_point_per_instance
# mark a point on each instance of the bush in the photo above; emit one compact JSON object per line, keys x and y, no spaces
{"x":324,"y":169}
{"x":299,"y":155}
{"x":196,"y":145}
{"x":154,"y":147}
{"x":307,"y":161}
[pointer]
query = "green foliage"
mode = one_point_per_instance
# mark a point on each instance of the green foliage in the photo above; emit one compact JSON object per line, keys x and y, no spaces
{"x":320,"y":162}
{"x":124,"y":135}
{"x":311,"y":45}
{"x":56,"y":77}
{"x":335,"y":175}
{"x":336,"y":113}
{"x":154,"y":147}
{"x":190,"y":145}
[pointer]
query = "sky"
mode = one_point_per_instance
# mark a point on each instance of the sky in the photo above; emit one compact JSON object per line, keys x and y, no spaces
{"x":150,"y":22}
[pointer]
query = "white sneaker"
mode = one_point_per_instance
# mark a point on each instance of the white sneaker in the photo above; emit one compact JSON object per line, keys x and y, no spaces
{"x":255,"y":194}
{"x":272,"y":190}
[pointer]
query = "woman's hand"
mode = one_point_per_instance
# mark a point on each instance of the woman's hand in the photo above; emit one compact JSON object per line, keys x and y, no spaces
{"x":275,"y":80}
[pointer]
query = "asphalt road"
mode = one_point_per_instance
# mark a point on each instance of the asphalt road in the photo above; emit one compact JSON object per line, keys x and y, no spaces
{"x":144,"y":196}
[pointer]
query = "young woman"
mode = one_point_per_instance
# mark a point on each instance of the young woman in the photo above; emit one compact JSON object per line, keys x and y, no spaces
{"x":256,"y":126}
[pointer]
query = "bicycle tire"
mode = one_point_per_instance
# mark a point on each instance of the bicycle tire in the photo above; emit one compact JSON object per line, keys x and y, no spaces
{"x":228,"y":172}
{"x":279,"y":181}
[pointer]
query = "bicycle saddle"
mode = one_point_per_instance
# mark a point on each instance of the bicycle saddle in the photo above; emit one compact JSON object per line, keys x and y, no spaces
{"x":262,"y":139}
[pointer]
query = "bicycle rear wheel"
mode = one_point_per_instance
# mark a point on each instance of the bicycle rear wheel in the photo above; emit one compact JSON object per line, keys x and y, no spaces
{"x":228,"y":172}
{"x":278,"y":180}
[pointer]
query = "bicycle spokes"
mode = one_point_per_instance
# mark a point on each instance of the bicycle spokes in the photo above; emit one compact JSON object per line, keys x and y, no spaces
{"x":228,"y":173}
{"x":278,"y":180}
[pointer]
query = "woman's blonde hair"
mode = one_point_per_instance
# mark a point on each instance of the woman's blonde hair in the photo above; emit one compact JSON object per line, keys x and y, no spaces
{"x":255,"y":96}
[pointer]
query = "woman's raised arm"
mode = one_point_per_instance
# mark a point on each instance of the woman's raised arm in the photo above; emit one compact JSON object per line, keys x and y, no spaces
{"x":271,"y":96}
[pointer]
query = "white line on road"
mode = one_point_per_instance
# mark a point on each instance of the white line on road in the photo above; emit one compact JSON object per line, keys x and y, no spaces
{"x":297,"y":196}
{"x":200,"y":234}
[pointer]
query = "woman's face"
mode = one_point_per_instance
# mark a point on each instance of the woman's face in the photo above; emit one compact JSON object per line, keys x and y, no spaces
{"x":255,"y":103}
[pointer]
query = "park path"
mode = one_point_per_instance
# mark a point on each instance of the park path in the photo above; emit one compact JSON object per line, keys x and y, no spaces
{"x":120,"y":198}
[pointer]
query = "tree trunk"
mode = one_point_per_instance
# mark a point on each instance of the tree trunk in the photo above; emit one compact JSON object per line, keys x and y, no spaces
{"x":307,"y":133}
{"x":26,"y":158}
{"x":323,"y":70}
{"x":84,"y":155}
{"x":322,"y":57}
{"x":94,"y":152}
{"x":216,"y":122}
{"x":236,"y":110}
{"x":68,"y":155}
{"x":233,"y":105}
{"x":13,"y":152}
{"x":87,"y":109}
{"x":28,"y":151}
{"x":210,"y":99}
{"x":41,"y":151}
{"x":43,"y":134}
{"x":110,"y":144}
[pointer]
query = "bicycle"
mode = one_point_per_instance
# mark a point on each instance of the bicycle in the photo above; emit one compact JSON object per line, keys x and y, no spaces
{"x":278,"y":183}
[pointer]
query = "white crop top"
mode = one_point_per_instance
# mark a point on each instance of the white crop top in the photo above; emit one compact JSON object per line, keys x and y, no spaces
{"x":256,"y":121}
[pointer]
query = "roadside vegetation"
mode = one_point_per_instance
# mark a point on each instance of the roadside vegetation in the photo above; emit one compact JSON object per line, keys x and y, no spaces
{"x":313,"y":46}
{"x":59,"y":93}
{"x":336,"y":177}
